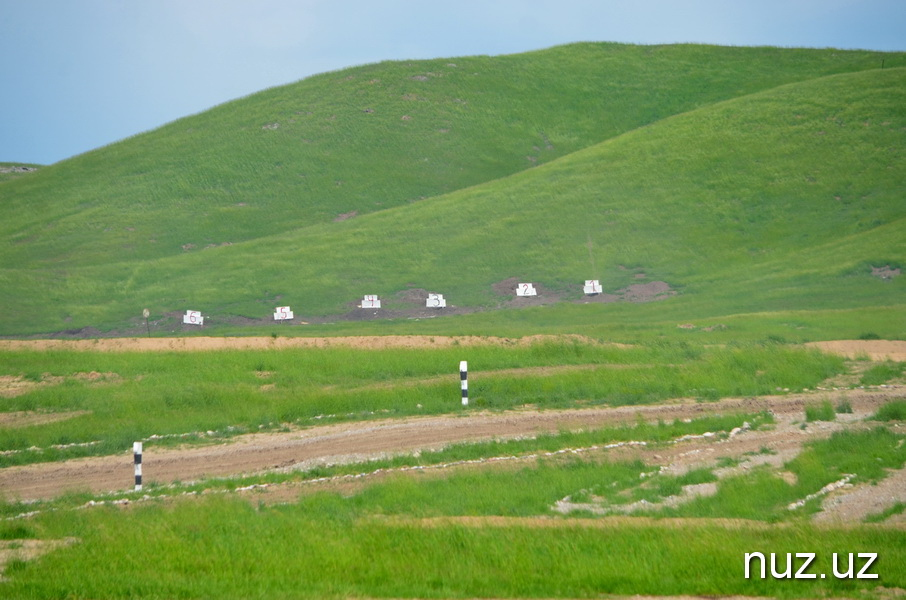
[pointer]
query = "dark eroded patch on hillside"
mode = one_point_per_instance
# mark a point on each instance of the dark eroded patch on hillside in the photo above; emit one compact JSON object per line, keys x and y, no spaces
{"x":885,"y":272}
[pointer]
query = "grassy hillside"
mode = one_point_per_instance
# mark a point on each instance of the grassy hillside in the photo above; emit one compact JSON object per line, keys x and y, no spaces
{"x":749,"y":179}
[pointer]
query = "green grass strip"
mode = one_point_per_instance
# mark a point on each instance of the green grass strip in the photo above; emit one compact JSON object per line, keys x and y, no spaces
{"x":227,"y":548}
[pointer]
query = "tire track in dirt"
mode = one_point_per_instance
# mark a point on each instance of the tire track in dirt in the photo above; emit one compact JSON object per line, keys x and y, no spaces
{"x":360,"y":440}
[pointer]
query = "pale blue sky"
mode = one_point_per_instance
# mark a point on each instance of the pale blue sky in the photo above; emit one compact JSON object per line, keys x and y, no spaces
{"x":79,"y":74}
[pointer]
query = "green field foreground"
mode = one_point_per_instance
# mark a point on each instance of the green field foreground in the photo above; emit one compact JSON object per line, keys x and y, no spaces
{"x":227,"y":548}
{"x":485,"y":533}
{"x":482,"y":531}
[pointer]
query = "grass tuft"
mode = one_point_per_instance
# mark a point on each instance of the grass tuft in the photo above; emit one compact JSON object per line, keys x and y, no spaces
{"x":882,"y":373}
{"x":823,"y":411}
{"x":892,"y":411}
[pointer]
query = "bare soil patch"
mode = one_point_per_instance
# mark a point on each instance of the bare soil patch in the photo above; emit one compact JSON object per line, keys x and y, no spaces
{"x":406,"y":304}
{"x":874,"y":349}
{"x":204,"y":344}
{"x":885,"y":272}
{"x":16,"y":385}
{"x":28,"y":549}
{"x":648,"y":292}
{"x":507,"y":289}
{"x":29,"y":418}
{"x":637,"y":292}
{"x":854,"y":503}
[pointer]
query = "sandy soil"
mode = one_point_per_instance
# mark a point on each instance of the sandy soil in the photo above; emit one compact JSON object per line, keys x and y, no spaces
{"x":873,"y":349}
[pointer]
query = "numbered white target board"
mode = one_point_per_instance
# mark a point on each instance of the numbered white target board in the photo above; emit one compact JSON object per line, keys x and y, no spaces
{"x":592,"y":287}
{"x":526,"y":289}
{"x":193,"y":317}
{"x":371,"y":301}
{"x":436,"y":301}
{"x":283,"y":313}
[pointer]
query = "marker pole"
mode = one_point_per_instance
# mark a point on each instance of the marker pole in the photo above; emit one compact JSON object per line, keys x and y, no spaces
{"x":464,"y":378}
{"x":137,"y":454}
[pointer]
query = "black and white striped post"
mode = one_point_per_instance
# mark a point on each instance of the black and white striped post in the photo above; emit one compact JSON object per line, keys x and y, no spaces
{"x":137,"y":453}
{"x":464,"y":378}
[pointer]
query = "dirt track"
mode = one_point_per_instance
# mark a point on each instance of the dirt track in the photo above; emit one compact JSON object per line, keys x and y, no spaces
{"x":873,"y":349}
{"x":355,"y":441}
{"x":202,"y":344}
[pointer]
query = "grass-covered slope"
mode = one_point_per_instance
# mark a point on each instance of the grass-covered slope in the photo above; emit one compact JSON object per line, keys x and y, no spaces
{"x":749,"y":179}
{"x":369,"y":138}
{"x":776,"y":200}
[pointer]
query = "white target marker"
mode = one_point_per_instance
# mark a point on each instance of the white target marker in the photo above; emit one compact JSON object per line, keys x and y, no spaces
{"x":137,"y":459}
{"x":436,"y":301}
{"x":193,"y":317}
{"x":464,"y":379}
{"x":592,"y":287}
{"x":371,"y":301}
{"x":283,"y":313}
{"x":526,"y":289}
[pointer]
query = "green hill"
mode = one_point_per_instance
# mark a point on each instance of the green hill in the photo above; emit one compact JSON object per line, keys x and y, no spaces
{"x":748,"y":179}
